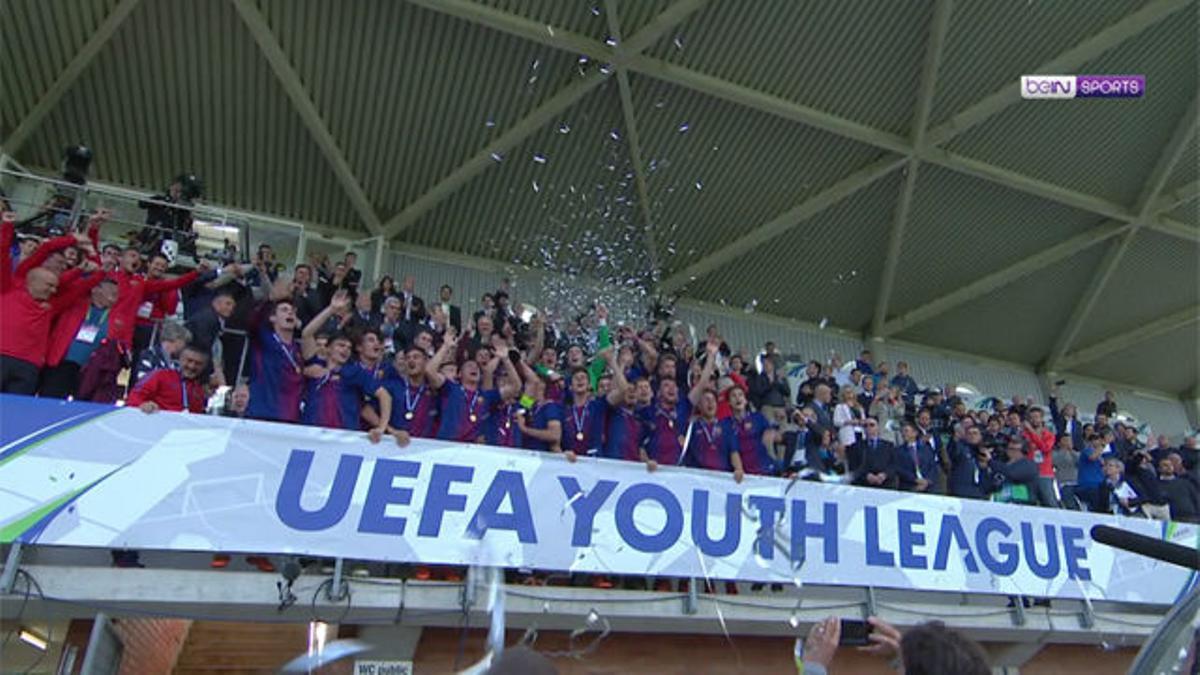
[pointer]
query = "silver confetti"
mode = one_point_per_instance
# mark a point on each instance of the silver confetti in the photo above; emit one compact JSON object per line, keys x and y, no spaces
{"x":497,"y":157}
{"x":614,"y":135}
{"x":490,"y":122}
{"x":610,"y":41}
{"x":539,"y":158}
{"x":683,"y":128}
{"x":824,"y":322}
{"x":536,"y":187}
{"x":699,"y":185}
{"x":564,"y":128}
{"x":678,"y":41}
{"x":595,"y":11}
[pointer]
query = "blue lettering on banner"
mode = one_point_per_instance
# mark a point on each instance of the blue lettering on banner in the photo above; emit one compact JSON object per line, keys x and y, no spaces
{"x":1010,"y":556}
{"x":770,"y":509}
{"x":488,"y":517}
{"x":876,"y":557}
{"x":1050,"y":569}
{"x":1075,"y":554}
{"x":383,"y":492}
{"x":952,"y":529}
{"x":627,"y":528}
{"x":438,"y":499}
{"x":910,"y":539}
{"x":586,"y":506}
{"x":729,"y":541}
{"x":826,"y":530}
{"x":291,"y":488}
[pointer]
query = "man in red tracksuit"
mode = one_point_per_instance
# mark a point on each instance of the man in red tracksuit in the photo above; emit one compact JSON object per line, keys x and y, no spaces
{"x":99,"y":379}
{"x":156,"y":305}
{"x":174,"y":390}
{"x":1041,"y":451}
{"x":25,"y":317}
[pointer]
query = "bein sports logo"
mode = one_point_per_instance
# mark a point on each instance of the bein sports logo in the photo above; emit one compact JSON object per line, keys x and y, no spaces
{"x":1082,"y":86}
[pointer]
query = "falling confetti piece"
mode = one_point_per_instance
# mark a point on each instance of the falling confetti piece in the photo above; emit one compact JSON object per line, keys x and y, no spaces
{"x":660,"y":104}
{"x":564,"y":128}
{"x":610,"y":41}
{"x":489,"y":123}
{"x":614,"y":135}
{"x":678,"y":41}
{"x":539,"y":158}
{"x":824,"y":322}
{"x":606,"y":69}
{"x":596,"y":11}
{"x":699,"y":185}
{"x":550,"y":30}
{"x":537,"y":63}
{"x":536,"y":187}
{"x":683,"y":128}
{"x":497,"y":157}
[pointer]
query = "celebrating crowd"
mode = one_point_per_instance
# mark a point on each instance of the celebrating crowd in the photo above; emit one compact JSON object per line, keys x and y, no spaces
{"x":315,"y":346}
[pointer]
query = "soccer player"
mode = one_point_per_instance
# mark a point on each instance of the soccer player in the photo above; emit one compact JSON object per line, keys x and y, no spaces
{"x":334,"y":391}
{"x":415,"y":411}
{"x":465,"y":405}
{"x":540,"y":423}
{"x":276,"y":360}
{"x":747,"y":435}
{"x":583,"y":423}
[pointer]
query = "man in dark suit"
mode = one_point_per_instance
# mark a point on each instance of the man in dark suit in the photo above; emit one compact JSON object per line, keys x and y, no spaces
{"x":822,"y":407}
{"x":206,"y":328}
{"x":452,"y":311}
{"x":916,"y":466}
{"x":970,"y":475}
{"x":871,"y":459}
{"x":408,"y":296}
{"x":305,"y":298}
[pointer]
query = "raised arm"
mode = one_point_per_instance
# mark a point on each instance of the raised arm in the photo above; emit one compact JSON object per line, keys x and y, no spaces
{"x":433,"y":368}
{"x":603,"y":341}
{"x":710,"y":364}
{"x":649,"y":354}
{"x":308,"y":337}
{"x":616,"y":395}
{"x":379,"y":427}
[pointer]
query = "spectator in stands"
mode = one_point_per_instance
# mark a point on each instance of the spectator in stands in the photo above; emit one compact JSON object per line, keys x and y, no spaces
{"x":908,"y":386}
{"x":1189,"y":452}
{"x":970,"y":464}
{"x":822,"y":408}
{"x":890,"y":410}
{"x":1016,"y":476}
{"x":207,"y":326}
{"x":389,"y":325}
{"x":916,"y":464}
{"x":408,"y":297}
{"x":1141,"y":473}
{"x":451,"y":310}
{"x":28,"y":312}
{"x":332,"y":281}
{"x":865,"y":363}
{"x":1040,"y":442}
{"x":172,"y":338}
{"x":1066,"y":471}
{"x":769,"y":389}
{"x":353,"y":274}
{"x":156,"y":305}
{"x":871,"y":460}
{"x":363,"y":317}
{"x":1182,"y":496}
{"x":386,"y":288}
{"x":866,"y":393}
{"x":1107,"y":407}
{"x":1127,"y":440}
{"x":74,"y":336}
{"x":1116,"y":495}
{"x":305,"y":298}
{"x":849,"y":418}
{"x":1091,"y":471}
{"x":174,"y":390}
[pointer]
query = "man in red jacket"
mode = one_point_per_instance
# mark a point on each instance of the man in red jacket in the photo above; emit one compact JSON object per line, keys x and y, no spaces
{"x":174,"y":390}
{"x":156,"y":305}
{"x":25,"y":317}
{"x":1041,"y":451}
{"x":132,"y":291}
{"x":75,"y":334}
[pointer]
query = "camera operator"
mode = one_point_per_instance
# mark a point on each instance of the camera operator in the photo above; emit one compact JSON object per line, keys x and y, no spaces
{"x":164,"y":221}
{"x":970,"y":459}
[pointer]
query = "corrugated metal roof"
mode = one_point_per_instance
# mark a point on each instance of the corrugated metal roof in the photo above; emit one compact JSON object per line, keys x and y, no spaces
{"x":1100,"y":146}
{"x":715,"y":170}
{"x":1173,"y":357}
{"x":826,"y":268}
{"x":41,"y":38}
{"x":1188,"y":212}
{"x":564,"y":199}
{"x":861,"y":60}
{"x":991,"y":44}
{"x":1018,"y":322}
{"x":1158,"y":275}
{"x":962,"y":228}
{"x":1188,"y":168}
{"x":182,"y":87}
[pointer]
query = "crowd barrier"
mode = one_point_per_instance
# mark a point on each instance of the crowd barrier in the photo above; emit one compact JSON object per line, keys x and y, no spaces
{"x":79,"y":474}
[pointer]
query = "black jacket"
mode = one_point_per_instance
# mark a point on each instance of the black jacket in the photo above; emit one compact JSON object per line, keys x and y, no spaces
{"x":867,"y":456}
{"x":967,"y":478}
{"x":1182,"y":497}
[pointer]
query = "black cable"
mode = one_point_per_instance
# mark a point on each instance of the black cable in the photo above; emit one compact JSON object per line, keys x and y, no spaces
{"x":21,"y":610}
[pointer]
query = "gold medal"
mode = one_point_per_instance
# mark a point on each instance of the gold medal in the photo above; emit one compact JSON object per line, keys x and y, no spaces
{"x":408,"y":415}
{"x":681,"y":440}
{"x":507,"y":424}
{"x":473,"y":418}
{"x":749,"y":426}
{"x":579,"y":436}
{"x":671,"y":424}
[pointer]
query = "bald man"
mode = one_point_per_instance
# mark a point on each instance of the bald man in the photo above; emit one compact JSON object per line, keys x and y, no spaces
{"x":25,"y":316}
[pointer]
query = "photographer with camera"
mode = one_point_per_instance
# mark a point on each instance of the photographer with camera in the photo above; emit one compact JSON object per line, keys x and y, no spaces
{"x":929,"y":648}
{"x":167,"y":222}
{"x":970,"y":460}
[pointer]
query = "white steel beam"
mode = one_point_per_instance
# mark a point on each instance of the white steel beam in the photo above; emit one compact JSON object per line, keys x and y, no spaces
{"x":1064,"y":63}
{"x":547,"y":111}
{"x":1177,"y":197}
{"x":289,"y":79}
{"x":1083,"y":308}
{"x":924,"y":106}
{"x":62,"y":84}
{"x":1003,"y":277}
{"x":633,"y":139}
{"x":785,"y":221}
{"x":1166,"y":324}
{"x":1170,"y":156}
{"x":482,"y":160}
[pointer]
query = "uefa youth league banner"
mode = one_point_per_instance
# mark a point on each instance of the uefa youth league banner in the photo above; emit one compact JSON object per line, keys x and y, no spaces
{"x":74,"y":474}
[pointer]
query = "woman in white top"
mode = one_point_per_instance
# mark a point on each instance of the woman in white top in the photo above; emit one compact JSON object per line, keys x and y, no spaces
{"x":849,"y":417}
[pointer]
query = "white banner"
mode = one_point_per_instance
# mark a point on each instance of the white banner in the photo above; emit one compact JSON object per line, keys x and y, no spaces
{"x":85,"y":475}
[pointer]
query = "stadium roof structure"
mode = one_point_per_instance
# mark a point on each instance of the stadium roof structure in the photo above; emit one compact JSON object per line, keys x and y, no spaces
{"x":868,"y":162}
